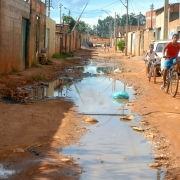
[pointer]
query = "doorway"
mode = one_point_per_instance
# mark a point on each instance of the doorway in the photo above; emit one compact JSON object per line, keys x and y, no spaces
{"x":23,"y":63}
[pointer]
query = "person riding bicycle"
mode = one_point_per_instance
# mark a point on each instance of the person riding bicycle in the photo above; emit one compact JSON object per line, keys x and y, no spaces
{"x":171,"y":49}
{"x":149,"y":57}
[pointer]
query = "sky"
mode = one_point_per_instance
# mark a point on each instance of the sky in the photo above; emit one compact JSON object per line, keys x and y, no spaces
{"x":101,"y":9}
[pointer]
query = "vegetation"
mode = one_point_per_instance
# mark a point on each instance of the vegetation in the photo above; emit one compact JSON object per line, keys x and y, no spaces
{"x":34,"y":63}
{"x":38,"y":78}
{"x":63,"y":55}
{"x":121,"y":45}
{"x":49,"y":62}
{"x":14,"y":70}
{"x":105,"y":27}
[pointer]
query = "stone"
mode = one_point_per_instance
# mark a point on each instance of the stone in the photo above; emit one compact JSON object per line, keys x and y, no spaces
{"x":18,"y":150}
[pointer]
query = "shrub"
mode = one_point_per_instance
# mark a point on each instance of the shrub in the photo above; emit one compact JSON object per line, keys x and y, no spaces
{"x":121,"y":45}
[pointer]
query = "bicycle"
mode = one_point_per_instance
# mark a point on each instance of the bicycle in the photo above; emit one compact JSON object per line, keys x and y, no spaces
{"x":152,"y":70}
{"x":172,"y":81}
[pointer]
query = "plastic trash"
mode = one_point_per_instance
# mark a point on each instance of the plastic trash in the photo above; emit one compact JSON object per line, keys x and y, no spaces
{"x":120,"y":102}
{"x":117,"y":71}
{"x":120,"y":95}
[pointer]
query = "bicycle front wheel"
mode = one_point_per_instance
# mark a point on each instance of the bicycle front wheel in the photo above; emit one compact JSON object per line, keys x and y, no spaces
{"x":150,"y":73}
{"x":174,"y":83}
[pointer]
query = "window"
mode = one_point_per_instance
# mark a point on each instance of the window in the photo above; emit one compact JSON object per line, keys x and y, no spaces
{"x":160,"y":46}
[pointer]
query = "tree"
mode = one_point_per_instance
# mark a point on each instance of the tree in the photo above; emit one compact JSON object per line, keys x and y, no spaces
{"x":121,"y":45}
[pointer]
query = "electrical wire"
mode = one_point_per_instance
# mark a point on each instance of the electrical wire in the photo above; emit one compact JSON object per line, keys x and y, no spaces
{"x":95,"y":10}
{"x":137,"y":5}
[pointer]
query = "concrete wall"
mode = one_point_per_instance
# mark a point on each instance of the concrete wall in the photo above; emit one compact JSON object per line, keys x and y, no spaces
{"x":11,"y":14}
{"x":160,"y":26}
{"x":148,"y":38}
{"x":37,"y":29}
{"x":50,"y":36}
{"x":130,"y":43}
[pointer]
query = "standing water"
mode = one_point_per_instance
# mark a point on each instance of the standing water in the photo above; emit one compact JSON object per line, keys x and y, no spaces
{"x":111,"y":149}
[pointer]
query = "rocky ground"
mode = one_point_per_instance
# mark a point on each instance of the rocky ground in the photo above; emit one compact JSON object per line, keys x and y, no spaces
{"x":50,"y":125}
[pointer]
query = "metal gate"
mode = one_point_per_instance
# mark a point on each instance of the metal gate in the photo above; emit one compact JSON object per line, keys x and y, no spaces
{"x":23,"y":44}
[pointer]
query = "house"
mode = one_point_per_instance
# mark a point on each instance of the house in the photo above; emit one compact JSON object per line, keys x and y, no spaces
{"x":66,"y":41}
{"x":155,"y":20}
{"x":22,"y":33}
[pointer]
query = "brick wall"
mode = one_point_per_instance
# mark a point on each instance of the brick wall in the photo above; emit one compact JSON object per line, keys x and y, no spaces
{"x":11,"y":14}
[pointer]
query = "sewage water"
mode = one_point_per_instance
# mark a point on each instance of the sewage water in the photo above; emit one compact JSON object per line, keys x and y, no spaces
{"x":111,"y":149}
{"x":5,"y":173}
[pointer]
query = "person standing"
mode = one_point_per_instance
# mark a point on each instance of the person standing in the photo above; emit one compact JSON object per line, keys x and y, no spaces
{"x":105,"y":47}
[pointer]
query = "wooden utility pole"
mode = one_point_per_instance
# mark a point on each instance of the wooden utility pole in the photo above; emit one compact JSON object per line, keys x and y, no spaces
{"x":139,"y":21}
{"x":79,"y":18}
{"x":152,"y":8}
{"x":115,"y":32}
{"x":166,"y":20}
{"x":126,"y":28}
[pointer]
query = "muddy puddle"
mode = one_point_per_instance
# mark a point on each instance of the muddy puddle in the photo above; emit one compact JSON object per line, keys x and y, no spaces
{"x":111,"y":149}
{"x":5,"y":173}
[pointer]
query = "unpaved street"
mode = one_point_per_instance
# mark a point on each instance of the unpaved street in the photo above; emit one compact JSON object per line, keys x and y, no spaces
{"x":51,"y":125}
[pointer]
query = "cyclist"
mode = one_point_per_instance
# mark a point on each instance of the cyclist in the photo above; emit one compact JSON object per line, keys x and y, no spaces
{"x":171,"y":49}
{"x":149,"y":57}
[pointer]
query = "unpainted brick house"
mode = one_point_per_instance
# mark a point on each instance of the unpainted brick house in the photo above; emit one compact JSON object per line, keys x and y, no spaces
{"x":22,"y":32}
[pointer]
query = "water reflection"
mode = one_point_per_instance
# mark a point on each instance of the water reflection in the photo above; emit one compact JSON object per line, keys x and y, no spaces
{"x":111,"y":150}
{"x":61,"y":86}
{"x":5,"y":173}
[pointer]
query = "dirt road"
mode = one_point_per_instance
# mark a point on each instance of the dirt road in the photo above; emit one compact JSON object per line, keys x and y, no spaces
{"x":50,"y":125}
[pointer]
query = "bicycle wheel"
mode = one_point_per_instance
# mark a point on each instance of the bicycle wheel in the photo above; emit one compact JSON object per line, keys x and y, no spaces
{"x":150,"y":73}
{"x":174,"y":83}
{"x":154,"y":75}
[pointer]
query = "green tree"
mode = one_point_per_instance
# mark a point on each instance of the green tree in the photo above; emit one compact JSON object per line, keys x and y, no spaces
{"x":121,"y":45}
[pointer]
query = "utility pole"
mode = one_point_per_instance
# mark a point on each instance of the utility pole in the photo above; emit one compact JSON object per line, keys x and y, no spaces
{"x":166,"y":20}
{"x":60,"y":6}
{"x":115,"y":32}
{"x":79,"y":18}
{"x":152,"y":8}
{"x":139,"y":21}
{"x":69,"y":14}
{"x":111,"y":33}
{"x":127,"y":17}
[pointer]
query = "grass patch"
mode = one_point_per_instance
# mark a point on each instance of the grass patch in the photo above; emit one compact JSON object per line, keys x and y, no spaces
{"x":48,"y":62}
{"x":38,"y":78}
{"x":34,"y":63}
{"x":14,"y":70}
{"x":63,"y":55}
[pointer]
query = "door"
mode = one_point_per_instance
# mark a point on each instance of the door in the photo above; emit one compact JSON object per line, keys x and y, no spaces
{"x":23,"y":44}
{"x":48,"y":40}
